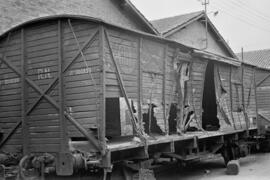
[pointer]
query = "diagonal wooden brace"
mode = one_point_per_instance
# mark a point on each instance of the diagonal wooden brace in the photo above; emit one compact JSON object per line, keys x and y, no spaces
{"x":55,"y":80}
{"x":90,"y":137}
{"x":122,"y":87}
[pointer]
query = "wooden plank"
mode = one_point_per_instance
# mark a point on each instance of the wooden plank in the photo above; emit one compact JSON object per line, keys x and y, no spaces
{"x":42,"y":35}
{"x":24,"y":96}
{"x":45,"y":123}
{"x":62,"y":120}
{"x":80,"y":74}
{"x":13,"y":53}
{"x":41,"y":47}
{"x":243,"y":99}
{"x":123,"y":90}
{"x":78,"y":84}
{"x":81,"y":96}
{"x":68,"y":37}
{"x":10,"y":114}
{"x":38,"y":54}
{"x":40,"y":42}
{"x":42,"y":27}
{"x":102,"y":122}
{"x":44,"y":141}
{"x":166,"y":121}
{"x":44,"y":129}
{"x":110,"y":82}
{"x":71,"y":47}
{"x":231,"y":97}
{"x":49,"y":148}
{"x":81,"y":89}
{"x":11,"y":108}
{"x":139,"y":83}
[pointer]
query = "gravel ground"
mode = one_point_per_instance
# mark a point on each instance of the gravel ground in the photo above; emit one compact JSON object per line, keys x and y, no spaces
{"x":253,"y":167}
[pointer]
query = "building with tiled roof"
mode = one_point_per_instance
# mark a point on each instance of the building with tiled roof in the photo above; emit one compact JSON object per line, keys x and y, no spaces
{"x":259,"y":58}
{"x":190,"y":29}
{"x":166,"y":25}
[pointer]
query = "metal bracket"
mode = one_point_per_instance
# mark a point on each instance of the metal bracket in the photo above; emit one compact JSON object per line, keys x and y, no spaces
{"x":64,"y":164}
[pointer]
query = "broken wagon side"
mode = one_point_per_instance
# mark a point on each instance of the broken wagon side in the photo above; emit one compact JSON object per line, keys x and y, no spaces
{"x":60,"y":76}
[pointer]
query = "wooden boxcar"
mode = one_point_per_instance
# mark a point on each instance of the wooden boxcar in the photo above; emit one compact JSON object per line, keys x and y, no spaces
{"x":77,"y":94}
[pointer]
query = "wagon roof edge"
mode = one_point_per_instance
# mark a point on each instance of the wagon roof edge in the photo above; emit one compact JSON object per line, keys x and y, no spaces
{"x":206,"y":54}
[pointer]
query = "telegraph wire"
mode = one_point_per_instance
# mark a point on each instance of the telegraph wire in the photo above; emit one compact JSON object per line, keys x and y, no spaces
{"x":241,"y":12}
{"x":245,"y":8}
{"x":255,"y":10}
{"x":240,"y":17}
{"x":245,"y":21}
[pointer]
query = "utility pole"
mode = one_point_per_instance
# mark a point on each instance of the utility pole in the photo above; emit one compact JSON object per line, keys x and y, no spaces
{"x":205,"y":3}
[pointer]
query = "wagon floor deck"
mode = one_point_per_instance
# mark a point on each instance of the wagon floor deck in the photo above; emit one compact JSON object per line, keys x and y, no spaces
{"x":119,"y":144}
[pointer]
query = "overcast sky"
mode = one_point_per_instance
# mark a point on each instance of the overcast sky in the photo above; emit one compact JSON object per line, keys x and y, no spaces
{"x":242,"y":23}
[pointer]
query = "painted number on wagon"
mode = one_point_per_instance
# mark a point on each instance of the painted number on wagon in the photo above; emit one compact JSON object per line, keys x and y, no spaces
{"x":44,"y":73}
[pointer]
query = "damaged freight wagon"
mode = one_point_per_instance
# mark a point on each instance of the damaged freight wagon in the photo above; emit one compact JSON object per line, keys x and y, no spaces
{"x":81,"y":95}
{"x":221,"y":96}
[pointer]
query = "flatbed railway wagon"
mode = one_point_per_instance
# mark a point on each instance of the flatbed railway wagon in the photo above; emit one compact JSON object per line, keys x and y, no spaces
{"x":80,"y":97}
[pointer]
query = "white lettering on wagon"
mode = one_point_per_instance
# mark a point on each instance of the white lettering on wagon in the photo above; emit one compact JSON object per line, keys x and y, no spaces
{"x":9,"y":81}
{"x":44,"y":73}
{"x":79,"y":71}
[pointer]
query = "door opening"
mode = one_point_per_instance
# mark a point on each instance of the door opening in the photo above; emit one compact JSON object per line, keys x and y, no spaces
{"x":209,"y":105}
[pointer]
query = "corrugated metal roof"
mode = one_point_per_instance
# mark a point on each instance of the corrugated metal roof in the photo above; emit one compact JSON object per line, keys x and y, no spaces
{"x":166,"y":24}
{"x":259,"y":58}
{"x":16,"y":12}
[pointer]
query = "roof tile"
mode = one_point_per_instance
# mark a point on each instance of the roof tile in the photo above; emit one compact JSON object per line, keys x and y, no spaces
{"x":259,"y":58}
{"x":166,"y":24}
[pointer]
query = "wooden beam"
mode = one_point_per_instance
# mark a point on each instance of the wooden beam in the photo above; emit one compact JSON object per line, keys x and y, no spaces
{"x":11,"y":132}
{"x":243,"y":100}
{"x":164,"y":89}
{"x":255,"y":94}
{"x":122,"y":87}
{"x":90,"y":137}
{"x":231,"y":97}
{"x":63,"y":124}
{"x":139,"y":100}
{"x":102,"y":122}
{"x":262,"y":80}
{"x":264,"y":117}
{"x":55,"y":80}
{"x":202,"y":91}
{"x":25,"y":142}
{"x":54,"y":104}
